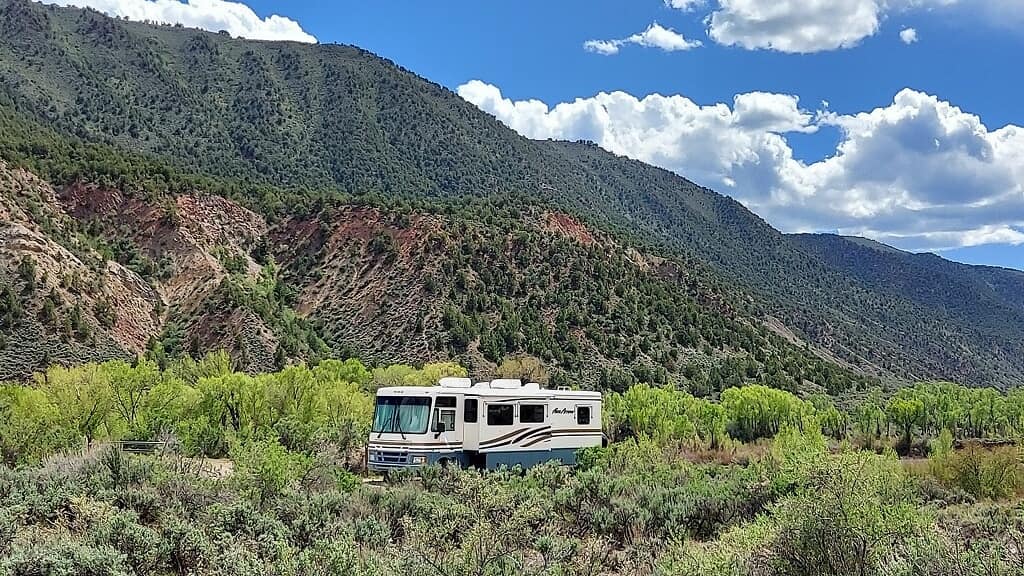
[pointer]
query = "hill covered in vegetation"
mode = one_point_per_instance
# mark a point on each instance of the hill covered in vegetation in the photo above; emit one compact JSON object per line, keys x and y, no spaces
{"x":367,"y":210}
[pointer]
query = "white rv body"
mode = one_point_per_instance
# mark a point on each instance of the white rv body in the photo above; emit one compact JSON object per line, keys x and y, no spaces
{"x":487,"y":425}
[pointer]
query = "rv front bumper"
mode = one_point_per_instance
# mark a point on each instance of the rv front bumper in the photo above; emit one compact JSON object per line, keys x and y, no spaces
{"x":384,"y":460}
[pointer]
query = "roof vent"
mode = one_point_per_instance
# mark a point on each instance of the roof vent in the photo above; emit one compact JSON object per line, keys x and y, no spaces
{"x":455,"y":382}
{"x":506,"y":384}
{"x":531,"y":386}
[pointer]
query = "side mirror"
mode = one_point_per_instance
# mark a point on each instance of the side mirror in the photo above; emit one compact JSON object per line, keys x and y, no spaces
{"x":439,"y":428}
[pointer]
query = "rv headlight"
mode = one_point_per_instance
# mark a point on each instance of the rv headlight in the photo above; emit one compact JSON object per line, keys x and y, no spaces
{"x":419,"y":459}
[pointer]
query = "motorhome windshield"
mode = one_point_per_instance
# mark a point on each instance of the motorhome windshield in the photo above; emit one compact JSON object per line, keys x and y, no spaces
{"x":401,"y":415}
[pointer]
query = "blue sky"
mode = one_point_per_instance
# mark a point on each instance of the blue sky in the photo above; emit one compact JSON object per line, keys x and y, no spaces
{"x":841,"y":124}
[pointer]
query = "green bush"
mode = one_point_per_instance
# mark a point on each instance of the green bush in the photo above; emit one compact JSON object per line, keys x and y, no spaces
{"x":663,"y":413}
{"x":992,"y":473}
{"x":199,"y":404}
{"x":64,"y":559}
{"x":189,"y":550}
{"x":142,"y":547}
{"x":29,"y":425}
{"x":852,"y":515}
{"x":264,"y":468}
{"x":8,"y":530}
{"x":637,"y":491}
{"x":244,"y":523}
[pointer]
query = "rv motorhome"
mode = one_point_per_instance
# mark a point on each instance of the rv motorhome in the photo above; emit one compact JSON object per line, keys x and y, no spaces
{"x":486,"y":425}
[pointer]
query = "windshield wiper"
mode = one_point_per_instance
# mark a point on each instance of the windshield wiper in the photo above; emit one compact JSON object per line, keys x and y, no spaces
{"x":395,"y":424}
{"x":398,"y":418}
{"x":387,"y":427}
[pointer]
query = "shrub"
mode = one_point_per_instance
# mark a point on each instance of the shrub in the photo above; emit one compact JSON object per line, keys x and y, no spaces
{"x":314,"y":517}
{"x":372,"y":532}
{"x":144,"y":501}
{"x":124,"y":470}
{"x":982,"y":539}
{"x":142,"y":547}
{"x":8,"y":530}
{"x":736,"y":553}
{"x":852,"y":515}
{"x":331,"y":557}
{"x":993,"y":473}
{"x":264,"y":468}
{"x":637,"y":491}
{"x":63,"y":558}
{"x":794,"y":455}
{"x":241,"y":520}
{"x":188,"y":549}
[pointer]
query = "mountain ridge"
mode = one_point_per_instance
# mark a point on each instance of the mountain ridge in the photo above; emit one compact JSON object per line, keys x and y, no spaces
{"x":290,"y":131}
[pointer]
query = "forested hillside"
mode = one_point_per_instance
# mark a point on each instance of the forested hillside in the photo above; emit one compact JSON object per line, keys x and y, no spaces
{"x":964,"y":294}
{"x":350,"y":178}
{"x":95,"y":272}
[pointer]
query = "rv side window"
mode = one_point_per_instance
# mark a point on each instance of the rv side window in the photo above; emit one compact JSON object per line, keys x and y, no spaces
{"x":445,"y":416}
{"x":499,"y":414}
{"x":469,"y":415}
{"x":531,"y":413}
{"x":444,"y":413}
{"x":583,"y":415}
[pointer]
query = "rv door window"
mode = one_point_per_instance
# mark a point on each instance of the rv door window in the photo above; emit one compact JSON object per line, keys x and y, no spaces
{"x":531,"y":413}
{"x":499,"y":414}
{"x":469,"y":414}
{"x":583,"y":415}
{"x":444,"y":416}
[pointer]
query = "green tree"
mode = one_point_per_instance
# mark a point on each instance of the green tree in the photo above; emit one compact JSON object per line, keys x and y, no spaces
{"x":130,"y":386}
{"x":759,"y":411}
{"x":906,"y":411}
{"x":30,"y":426}
{"x":83,"y":398}
{"x":526,"y":368}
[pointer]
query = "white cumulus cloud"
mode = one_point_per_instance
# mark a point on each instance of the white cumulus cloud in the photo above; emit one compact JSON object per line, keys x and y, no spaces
{"x":606,"y":47}
{"x":908,"y":35}
{"x":804,"y":26}
{"x":794,"y":25}
{"x":215,"y":15}
{"x":655,"y":36}
{"x":684,"y":5}
{"x":919,"y":172}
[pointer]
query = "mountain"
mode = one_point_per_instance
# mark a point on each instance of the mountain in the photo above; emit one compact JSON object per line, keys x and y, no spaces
{"x":982,"y":296}
{"x":405,"y":222}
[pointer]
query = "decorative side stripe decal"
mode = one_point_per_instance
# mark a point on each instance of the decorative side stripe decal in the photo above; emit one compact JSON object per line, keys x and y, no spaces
{"x":548,"y":436}
{"x":506,"y":436}
{"x":524,"y":434}
{"x":537,"y":440}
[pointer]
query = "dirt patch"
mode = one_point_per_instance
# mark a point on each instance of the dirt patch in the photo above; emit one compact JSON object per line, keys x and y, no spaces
{"x":214,"y":468}
{"x":776,"y":326}
{"x":567,"y":226}
{"x":365,"y":275}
